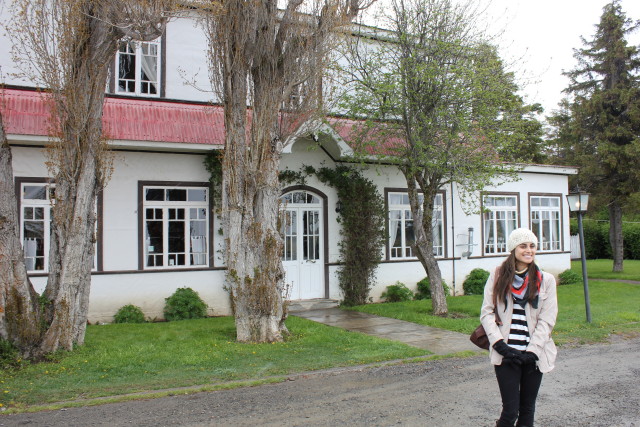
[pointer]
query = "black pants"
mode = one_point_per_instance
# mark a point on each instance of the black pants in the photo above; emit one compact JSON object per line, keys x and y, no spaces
{"x":519,"y":387}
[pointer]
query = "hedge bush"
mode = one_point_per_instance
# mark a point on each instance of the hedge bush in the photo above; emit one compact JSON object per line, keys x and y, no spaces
{"x":397,"y":293}
{"x":424,"y":289}
{"x":475,"y":281}
{"x":596,"y":239}
{"x":569,"y":277}
{"x":9,"y":355}
{"x":129,"y":314}
{"x":185,"y":303}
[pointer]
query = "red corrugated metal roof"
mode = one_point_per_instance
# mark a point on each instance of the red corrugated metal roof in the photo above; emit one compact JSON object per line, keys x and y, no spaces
{"x":27,"y":113}
{"x":374,"y":139}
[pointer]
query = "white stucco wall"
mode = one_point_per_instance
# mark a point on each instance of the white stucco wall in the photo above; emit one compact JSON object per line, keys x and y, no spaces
{"x":454,"y":267}
{"x":186,"y":64}
{"x":122,"y":283}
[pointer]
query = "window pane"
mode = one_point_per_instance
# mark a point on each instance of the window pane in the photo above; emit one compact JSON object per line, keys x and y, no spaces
{"x":197,"y":195}
{"x":395,"y":199}
{"x":33,"y":245}
{"x":287,"y":198}
{"x":148,"y":70}
{"x":126,"y":67}
{"x":38,"y":213}
{"x":410,"y":237}
{"x":154,"y":237}
{"x":198,"y":234}
{"x":154,"y":194}
{"x":290,"y":236}
{"x":34,"y":192}
{"x":34,"y":229}
{"x":176,"y":236}
{"x":177,"y":195}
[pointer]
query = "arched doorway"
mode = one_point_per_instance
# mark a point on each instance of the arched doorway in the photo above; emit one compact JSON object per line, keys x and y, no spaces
{"x":303,"y":231}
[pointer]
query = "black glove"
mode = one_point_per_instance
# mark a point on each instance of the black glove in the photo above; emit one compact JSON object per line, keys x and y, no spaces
{"x":528,"y":358}
{"x":509,"y":354}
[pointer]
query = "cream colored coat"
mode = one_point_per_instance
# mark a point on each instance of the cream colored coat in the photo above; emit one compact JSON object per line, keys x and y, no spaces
{"x":540,"y":322}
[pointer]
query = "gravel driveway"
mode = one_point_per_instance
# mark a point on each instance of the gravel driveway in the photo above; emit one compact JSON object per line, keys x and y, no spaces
{"x":593,"y":385}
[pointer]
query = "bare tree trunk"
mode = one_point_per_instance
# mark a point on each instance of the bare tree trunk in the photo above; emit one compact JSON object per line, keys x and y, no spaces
{"x":71,"y":257}
{"x":260,"y":56}
{"x":80,"y":42}
{"x":250,"y":213}
{"x":423,"y":229}
{"x":616,"y":239}
{"x":79,"y":157}
{"x":20,"y":316}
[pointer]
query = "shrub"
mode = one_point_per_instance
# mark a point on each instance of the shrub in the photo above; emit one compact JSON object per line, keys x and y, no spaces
{"x":569,"y":277}
{"x":631,"y":236}
{"x":129,"y":314}
{"x":9,"y":355}
{"x":475,"y":281}
{"x":424,"y":289}
{"x":397,"y":293}
{"x":596,"y":239}
{"x":185,"y":303}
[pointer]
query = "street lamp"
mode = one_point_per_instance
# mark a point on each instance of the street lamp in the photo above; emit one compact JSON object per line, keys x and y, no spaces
{"x":578,"y":202}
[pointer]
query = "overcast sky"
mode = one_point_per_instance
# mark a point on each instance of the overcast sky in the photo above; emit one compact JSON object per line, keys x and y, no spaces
{"x":540,"y":36}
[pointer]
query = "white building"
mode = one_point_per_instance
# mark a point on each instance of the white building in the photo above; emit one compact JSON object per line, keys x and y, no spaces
{"x":156,"y":228}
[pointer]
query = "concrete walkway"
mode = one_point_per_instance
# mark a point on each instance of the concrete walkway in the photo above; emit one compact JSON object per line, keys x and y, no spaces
{"x":437,"y":341}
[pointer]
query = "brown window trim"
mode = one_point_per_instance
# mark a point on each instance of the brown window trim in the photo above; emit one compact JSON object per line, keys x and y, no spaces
{"x":141,"y":185}
{"x":163,"y":73}
{"x":99,"y":217}
{"x":559,"y":196}
{"x":445,"y":246}
{"x":518,"y":212}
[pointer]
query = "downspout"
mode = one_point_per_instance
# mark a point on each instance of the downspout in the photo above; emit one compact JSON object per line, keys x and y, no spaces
{"x":453,"y":235}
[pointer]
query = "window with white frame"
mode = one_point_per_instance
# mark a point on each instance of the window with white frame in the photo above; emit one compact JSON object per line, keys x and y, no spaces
{"x":36,"y":201}
{"x":36,"y":209}
{"x":401,"y":231}
{"x":138,"y":68}
{"x":500,"y":217}
{"x":176,"y":227}
{"x":545,"y":221}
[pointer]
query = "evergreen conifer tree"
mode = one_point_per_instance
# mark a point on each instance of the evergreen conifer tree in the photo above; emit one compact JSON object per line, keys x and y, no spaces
{"x":605,"y":117}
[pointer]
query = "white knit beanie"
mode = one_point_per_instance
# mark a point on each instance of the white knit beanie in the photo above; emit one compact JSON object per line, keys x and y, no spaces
{"x":519,"y":236}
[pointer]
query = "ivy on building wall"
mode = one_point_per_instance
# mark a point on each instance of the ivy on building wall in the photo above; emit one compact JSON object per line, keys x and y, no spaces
{"x":362,"y":216}
{"x":213,"y":164}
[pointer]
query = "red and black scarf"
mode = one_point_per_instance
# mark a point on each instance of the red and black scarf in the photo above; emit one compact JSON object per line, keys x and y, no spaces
{"x":519,"y":288}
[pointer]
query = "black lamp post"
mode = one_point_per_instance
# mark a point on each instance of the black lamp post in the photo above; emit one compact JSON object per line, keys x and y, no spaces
{"x":578,"y":202}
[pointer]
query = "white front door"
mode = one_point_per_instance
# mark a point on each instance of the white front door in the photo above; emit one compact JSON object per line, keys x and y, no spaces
{"x":303,"y":246}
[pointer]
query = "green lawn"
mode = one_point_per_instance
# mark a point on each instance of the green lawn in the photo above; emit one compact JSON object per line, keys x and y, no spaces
{"x":128,"y":358}
{"x":601,"y":269}
{"x":615,"y":308}
{"x":122,"y":358}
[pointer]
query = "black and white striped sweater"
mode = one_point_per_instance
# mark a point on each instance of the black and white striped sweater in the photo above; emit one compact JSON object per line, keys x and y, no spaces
{"x":519,"y":333}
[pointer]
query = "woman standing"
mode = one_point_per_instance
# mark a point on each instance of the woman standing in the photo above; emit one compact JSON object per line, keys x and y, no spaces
{"x":522,"y":350}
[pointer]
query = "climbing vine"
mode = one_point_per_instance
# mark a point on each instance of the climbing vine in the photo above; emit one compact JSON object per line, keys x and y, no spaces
{"x":213,"y":164}
{"x":363,"y":217}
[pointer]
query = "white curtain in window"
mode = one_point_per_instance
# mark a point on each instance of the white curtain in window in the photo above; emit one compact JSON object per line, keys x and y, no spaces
{"x":198,"y":244}
{"x":150,"y":69}
{"x":394,"y":219}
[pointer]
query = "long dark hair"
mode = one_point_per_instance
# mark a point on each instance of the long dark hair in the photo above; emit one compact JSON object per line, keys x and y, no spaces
{"x":502,"y":284}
